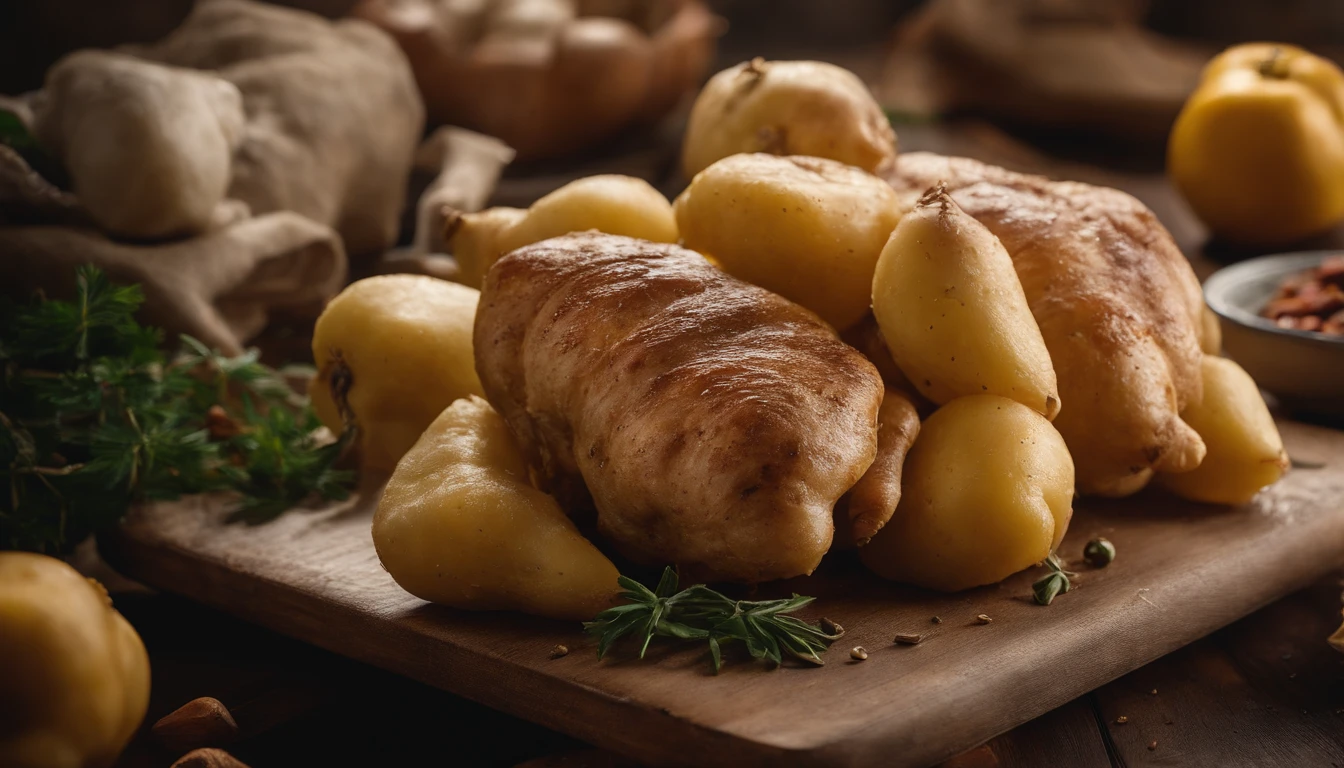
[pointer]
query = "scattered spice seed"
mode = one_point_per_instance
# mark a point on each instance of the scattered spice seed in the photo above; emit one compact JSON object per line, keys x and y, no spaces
{"x":1292,"y":675}
{"x":858,"y":653}
{"x":1168,"y":722}
{"x":1153,"y":692}
{"x":559,"y":651}
{"x":1152,"y":746}
{"x":831,"y":627}
{"x":937,"y":619}
{"x":983,"y":618}
{"x":908,"y":639}
{"x":1121,"y":720}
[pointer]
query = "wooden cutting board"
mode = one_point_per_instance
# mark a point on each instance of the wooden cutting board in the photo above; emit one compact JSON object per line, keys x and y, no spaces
{"x":1183,"y":570}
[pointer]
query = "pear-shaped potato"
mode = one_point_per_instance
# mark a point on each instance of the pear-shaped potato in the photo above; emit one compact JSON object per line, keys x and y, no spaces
{"x":986,"y":491}
{"x":460,"y":525}
{"x":610,"y":203}
{"x":392,"y":352}
{"x":787,"y":108}
{"x":1245,"y":451}
{"x":954,"y":314}
{"x":807,"y":228}
{"x":475,"y":240}
{"x":616,"y":205}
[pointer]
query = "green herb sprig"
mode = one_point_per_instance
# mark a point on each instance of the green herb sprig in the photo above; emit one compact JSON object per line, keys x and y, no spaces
{"x":700,"y":613}
{"x":94,"y":418}
{"x":1054,"y":583}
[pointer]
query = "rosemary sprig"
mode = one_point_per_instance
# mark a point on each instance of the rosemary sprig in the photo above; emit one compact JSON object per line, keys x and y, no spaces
{"x":94,"y":418}
{"x":700,"y":613}
{"x":1054,"y":583}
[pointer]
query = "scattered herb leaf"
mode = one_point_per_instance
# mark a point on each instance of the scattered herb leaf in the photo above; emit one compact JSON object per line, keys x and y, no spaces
{"x":95,"y":418}
{"x":700,"y":613}
{"x":1053,"y":584}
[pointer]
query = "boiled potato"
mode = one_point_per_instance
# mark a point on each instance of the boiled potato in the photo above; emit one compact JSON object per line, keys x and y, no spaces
{"x":460,"y":525}
{"x":75,"y":684}
{"x":616,"y":205}
{"x":392,"y":352}
{"x":986,"y":491}
{"x":807,"y":228}
{"x":1245,"y":451}
{"x":474,"y":239}
{"x":954,"y":314}
{"x":788,"y":108}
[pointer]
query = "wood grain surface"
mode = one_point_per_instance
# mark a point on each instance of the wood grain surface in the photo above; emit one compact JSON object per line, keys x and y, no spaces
{"x":1183,"y":571}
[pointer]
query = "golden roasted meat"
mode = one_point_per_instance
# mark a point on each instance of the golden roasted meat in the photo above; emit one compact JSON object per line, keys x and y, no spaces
{"x":867,"y":338}
{"x":714,"y":423}
{"x":1117,"y":303}
{"x":868,"y":506}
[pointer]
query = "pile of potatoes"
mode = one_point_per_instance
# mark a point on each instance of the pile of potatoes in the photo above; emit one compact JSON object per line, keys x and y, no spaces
{"x":783,"y":193}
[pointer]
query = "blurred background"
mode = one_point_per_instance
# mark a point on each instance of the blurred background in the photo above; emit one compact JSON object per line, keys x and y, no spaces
{"x":1118,"y":68}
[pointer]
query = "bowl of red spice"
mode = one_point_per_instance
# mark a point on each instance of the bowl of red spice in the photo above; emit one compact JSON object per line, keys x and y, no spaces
{"x":1282,"y":319}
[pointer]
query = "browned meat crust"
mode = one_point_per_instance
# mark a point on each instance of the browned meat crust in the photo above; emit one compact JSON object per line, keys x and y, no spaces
{"x":714,"y":423}
{"x":1117,"y":303}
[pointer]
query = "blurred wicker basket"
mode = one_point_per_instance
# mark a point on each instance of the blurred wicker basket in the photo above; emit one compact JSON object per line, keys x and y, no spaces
{"x":550,"y":77}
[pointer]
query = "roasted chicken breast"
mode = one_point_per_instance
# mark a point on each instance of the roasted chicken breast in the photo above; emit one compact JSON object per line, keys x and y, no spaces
{"x":1117,"y":303}
{"x":713,"y":424}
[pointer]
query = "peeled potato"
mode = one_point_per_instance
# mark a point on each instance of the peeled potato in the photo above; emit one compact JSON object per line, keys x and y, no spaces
{"x":610,"y":203}
{"x":616,"y":205}
{"x":986,"y":491}
{"x":954,"y":314}
{"x":459,"y":524}
{"x":807,"y":228}
{"x":787,"y":108}
{"x":1245,"y":451}
{"x":396,"y":349}
{"x":474,"y":240}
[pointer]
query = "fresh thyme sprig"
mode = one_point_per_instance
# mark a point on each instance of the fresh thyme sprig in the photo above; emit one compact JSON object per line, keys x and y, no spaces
{"x":1054,"y":583}
{"x":94,"y":417}
{"x":700,"y":613}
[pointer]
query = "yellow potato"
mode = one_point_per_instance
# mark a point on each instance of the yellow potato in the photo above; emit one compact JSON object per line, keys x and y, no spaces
{"x":460,"y":525}
{"x":787,"y":108}
{"x":986,"y":491}
{"x":616,"y":205}
{"x":954,"y":314}
{"x":1245,"y":451}
{"x":474,"y":240}
{"x":806,"y":228}
{"x":75,"y":679}
{"x":397,"y":350}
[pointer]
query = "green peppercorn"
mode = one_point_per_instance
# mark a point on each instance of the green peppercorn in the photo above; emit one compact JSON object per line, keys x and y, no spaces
{"x":1099,"y":553}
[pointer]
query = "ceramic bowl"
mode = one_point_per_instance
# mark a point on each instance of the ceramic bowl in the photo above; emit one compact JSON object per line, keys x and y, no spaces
{"x":1304,"y":370}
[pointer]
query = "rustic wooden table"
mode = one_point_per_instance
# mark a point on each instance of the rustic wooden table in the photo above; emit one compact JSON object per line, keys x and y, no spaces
{"x":1266,"y":691}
